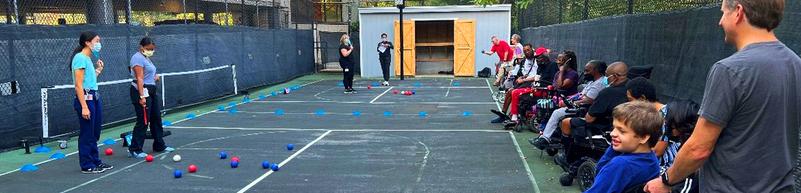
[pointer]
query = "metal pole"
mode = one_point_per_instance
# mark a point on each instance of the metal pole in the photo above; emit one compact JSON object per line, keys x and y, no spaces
{"x":16,"y":12}
{"x":630,"y":7}
{"x":183,"y":4}
{"x":586,"y":9}
{"x":128,"y":12}
{"x":402,"y":65}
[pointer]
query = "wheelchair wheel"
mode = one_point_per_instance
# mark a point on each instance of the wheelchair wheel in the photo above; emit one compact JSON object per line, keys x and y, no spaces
{"x":551,"y":151}
{"x":586,"y":174}
{"x":566,"y":179}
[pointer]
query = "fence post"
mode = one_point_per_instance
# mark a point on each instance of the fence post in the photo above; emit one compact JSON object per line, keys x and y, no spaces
{"x":630,"y":7}
{"x":561,"y":10}
{"x":586,"y":13}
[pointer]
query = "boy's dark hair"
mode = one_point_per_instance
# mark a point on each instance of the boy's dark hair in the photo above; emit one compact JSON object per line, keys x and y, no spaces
{"x":641,"y":87}
{"x":765,"y":14}
{"x":682,"y":116}
{"x":146,"y":41}
{"x":642,"y":118}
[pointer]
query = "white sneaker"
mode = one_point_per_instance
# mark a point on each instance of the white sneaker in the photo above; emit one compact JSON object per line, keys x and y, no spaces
{"x":385,"y":83}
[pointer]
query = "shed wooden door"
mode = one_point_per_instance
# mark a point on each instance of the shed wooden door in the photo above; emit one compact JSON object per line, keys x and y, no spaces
{"x":408,"y":48}
{"x":464,"y":44}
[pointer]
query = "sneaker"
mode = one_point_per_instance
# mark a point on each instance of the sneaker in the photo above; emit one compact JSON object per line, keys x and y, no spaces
{"x":105,"y":167}
{"x":348,"y":91}
{"x":540,"y":142}
{"x":140,"y":155}
{"x":167,"y":149}
{"x":353,"y":91}
{"x":509,"y":123}
{"x":92,"y":171}
{"x":498,"y":120}
{"x":385,"y":83}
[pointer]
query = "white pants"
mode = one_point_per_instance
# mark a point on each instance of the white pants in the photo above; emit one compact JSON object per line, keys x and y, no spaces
{"x":553,"y":122}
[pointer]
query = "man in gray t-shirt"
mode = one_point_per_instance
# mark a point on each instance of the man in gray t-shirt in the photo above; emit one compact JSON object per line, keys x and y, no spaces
{"x":746,"y":138}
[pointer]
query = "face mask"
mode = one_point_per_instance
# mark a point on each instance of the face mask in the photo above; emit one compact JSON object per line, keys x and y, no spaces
{"x":148,"y":53}
{"x":347,"y":42}
{"x":605,"y":81}
{"x":96,"y":49}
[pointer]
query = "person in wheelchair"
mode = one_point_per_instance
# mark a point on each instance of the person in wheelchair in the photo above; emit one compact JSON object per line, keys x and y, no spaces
{"x":679,"y":124}
{"x":564,"y":80}
{"x":542,"y":69}
{"x":594,"y":72}
{"x":598,"y":117}
{"x":629,"y":161}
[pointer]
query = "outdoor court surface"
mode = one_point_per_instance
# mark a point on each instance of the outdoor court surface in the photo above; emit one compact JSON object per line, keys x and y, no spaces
{"x":438,"y":140}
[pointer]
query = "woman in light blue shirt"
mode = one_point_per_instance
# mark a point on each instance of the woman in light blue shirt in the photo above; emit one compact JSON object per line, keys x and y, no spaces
{"x":145,"y":98}
{"x":87,"y":101}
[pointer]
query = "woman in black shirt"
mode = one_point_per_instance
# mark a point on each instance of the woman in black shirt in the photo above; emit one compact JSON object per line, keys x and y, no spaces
{"x":346,"y":62}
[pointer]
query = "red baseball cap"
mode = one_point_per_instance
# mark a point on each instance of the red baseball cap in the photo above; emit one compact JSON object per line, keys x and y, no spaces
{"x":540,"y":51}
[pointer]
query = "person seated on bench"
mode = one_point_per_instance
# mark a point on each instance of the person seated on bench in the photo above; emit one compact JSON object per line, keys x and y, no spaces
{"x":599,"y":113}
{"x":629,"y":161}
{"x":545,"y":70}
{"x":594,"y":71}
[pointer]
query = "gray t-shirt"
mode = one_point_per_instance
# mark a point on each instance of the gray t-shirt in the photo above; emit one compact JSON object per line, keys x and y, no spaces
{"x":754,"y":96}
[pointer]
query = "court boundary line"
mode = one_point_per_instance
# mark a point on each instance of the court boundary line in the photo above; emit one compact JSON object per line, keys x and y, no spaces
{"x":118,"y":139}
{"x":336,"y":130}
{"x":492,"y":93}
{"x":382,"y":94}
{"x":362,"y":102}
{"x":525,"y":164}
{"x":351,"y":114}
{"x":259,"y":179}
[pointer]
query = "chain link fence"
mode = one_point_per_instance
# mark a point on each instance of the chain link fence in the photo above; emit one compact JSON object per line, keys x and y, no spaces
{"x":37,"y":38}
{"x":548,"y":12}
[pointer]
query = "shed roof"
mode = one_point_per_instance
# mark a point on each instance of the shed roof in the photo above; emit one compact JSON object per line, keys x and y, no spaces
{"x":438,"y":9}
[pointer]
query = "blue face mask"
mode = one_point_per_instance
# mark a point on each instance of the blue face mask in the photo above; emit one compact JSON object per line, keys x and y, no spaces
{"x":347,"y":42}
{"x":96,"y":49}
{"x":605,"y":81}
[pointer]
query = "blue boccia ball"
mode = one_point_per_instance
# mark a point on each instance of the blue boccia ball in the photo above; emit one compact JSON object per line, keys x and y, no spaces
{"x":274,"y":167}
{"x":223,"y":155}
{"x":177,"y":173}
{"x":265,"y":164}
{"x":290,"y":147}
{"x":234,"y":164}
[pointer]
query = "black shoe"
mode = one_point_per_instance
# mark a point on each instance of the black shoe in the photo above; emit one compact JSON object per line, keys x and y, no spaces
{"x":500,"y":114}
{"x":540,"y":142}
{"x":353,"y":91}
{"x":92,"y":171}
{"x":348,"y":91}
{"x":509,"y":123}
{"x":105,"y":167}
{"x":498,"y":120}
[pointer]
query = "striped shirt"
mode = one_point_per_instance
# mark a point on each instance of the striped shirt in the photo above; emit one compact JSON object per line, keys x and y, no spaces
{"x":673,"y":146}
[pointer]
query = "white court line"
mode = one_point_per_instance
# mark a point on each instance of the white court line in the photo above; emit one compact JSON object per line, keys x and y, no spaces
{"x":118,"y":139}
{"x":492,"y":92}
{"x":525,"y":164}
{"x":337,"y":130}
{"x":351,"y":114}
{"x":360,"y":102}
{"x":432,"y":87}
{"x":382,"y":94}
{"x":449,"y":89}
{"x":246,"y":188}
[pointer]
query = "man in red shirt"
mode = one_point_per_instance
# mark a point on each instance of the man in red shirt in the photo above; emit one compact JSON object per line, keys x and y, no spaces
{"x":505,"y":55}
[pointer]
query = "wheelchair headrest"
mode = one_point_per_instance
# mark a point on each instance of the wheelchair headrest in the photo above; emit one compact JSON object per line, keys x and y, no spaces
{"x":640,"y":71}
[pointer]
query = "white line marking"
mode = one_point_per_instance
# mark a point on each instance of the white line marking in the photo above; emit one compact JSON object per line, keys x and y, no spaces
{"x":142,"y":161}
{"x":199,"y":176}
{"x":425,"y":160}
{"x":432,"y":87}
{"x":492,"y":92}
{"x":363,"y":113}
{"x":449,"y":89}
{"x":382,"y":94}
{"x":337,"y":130}
{"x":167,"y":167}
{"x":246,"y":188}
{"x":525,"y":164}
{"x":360,"y":102}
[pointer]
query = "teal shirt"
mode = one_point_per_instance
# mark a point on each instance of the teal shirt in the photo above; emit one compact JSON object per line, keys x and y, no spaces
{"x":81,"y":61}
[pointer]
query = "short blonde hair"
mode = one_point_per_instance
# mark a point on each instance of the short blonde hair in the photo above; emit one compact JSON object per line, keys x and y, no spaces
{"x":342,"y":39}
{"x":516,"y":37}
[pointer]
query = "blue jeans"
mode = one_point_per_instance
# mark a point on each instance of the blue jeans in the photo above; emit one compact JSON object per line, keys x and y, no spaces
{"x":90,"y":132}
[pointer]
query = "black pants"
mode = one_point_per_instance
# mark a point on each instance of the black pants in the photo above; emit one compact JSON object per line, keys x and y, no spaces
{"x":153,"y":104}
{"x":347,"y":78}
{"x":385,"y":66}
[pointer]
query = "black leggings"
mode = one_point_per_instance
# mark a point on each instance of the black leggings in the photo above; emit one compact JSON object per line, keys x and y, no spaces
{"x":153,"y":104}
{"x":347,"y":78}
{"x":385,"y":66}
